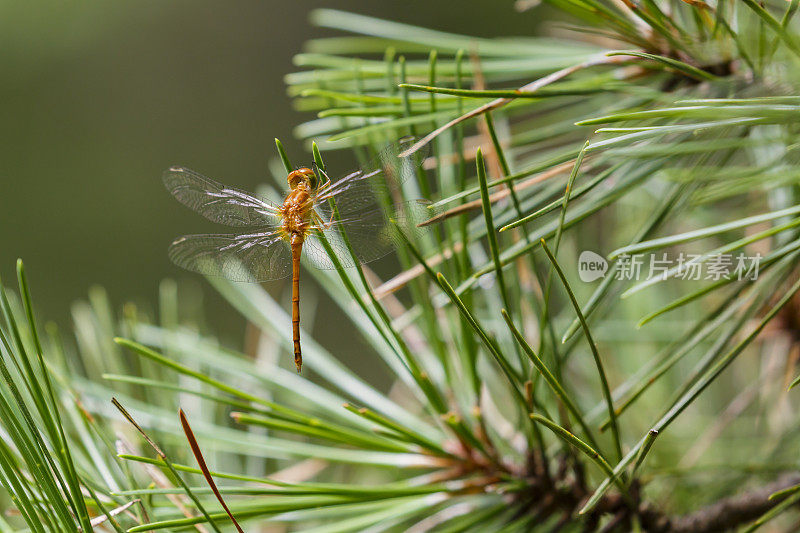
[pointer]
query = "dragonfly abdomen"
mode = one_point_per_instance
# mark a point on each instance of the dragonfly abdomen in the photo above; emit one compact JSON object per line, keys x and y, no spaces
{"x":297,"y":248}
{"x":296,"y":210}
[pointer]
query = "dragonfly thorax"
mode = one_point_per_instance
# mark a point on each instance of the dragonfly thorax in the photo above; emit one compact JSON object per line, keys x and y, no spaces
{"x":295,"y":210}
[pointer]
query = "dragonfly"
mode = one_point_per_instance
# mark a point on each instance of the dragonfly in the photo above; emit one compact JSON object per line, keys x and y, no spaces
{"x":359,"y":216}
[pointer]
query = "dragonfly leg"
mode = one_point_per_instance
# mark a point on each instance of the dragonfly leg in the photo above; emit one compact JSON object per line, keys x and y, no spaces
{"x":327,"y":179}
{"x":321,"y":223}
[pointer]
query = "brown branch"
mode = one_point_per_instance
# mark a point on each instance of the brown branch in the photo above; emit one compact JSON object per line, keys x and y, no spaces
{"x":724,"y":515}
{"x":476,"y":205}
{"x":566,"y":494}
{"x":403,"y":278}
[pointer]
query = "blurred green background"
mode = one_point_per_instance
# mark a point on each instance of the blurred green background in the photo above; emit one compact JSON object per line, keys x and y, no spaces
{"x":98,"y":98}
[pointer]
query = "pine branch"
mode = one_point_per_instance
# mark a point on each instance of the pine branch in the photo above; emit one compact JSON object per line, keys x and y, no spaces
{"x":725,"y":514}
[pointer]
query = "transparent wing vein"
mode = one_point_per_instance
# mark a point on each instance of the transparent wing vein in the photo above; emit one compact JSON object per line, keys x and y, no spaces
{"x":249,"y":257}
{"x":216,"y":202}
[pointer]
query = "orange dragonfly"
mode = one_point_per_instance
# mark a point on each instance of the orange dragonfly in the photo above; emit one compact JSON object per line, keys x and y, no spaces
{"x":353,"y":209}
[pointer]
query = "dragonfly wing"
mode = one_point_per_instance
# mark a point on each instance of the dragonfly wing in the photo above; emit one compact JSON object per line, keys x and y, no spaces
{"x":376,"y":182}
{"x":315,"y":254}
{"x":371,"y":235}
{"x":216,"y":202}
{"x":252,"y":257}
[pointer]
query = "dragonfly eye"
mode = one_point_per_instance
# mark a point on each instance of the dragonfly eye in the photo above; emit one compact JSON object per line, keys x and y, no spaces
{"x":296,"y":177}
{"x":313,"y":181}
{"x":305,"y":176}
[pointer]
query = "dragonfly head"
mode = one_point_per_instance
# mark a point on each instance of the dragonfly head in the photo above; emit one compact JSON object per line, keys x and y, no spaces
{"x":306,"y":176}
